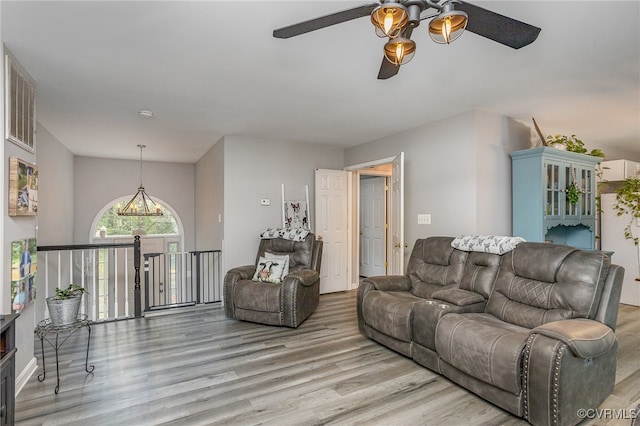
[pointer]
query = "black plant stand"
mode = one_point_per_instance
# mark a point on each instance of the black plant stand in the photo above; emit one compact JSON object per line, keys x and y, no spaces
{"x":45,"y":328}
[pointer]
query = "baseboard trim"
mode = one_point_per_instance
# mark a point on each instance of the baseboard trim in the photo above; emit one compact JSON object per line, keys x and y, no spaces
{"x":24,"y":376}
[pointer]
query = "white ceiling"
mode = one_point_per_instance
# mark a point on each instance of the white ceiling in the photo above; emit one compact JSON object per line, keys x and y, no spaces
{"x":212,"y":68}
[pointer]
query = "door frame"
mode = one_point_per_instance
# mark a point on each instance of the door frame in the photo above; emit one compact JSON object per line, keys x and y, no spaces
{"x":354,"y":214}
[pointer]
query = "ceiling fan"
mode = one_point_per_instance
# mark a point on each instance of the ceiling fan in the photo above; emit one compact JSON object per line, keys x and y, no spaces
{"x":396,"y":20}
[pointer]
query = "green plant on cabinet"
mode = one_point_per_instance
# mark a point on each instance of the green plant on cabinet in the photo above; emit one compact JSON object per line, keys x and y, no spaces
{"x":572,"y":144}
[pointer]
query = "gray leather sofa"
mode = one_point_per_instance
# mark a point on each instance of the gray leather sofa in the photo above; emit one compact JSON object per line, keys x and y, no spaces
{"x":531,"y":330}
{"x":287,"y":303}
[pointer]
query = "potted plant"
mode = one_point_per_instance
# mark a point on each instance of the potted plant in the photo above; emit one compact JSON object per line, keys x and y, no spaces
{"x":65,"y":305}
{"x":628,"y":203}
{"x":573,"y":144}
{"x":573,"y":193}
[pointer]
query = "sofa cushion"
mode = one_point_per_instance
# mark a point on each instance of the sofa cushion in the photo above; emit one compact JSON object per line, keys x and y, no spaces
{"x":434,"y":264}
{"x":480,"y":271}
{"x":299,"y":252}
{"x":269,"y":270}
{"x":257,"y":296}
{"x":458,"y":297}
{"x":280,"y":258}
{"x":390,"y":312}
{"x":539,"y":283}
{"x":484,"y":347}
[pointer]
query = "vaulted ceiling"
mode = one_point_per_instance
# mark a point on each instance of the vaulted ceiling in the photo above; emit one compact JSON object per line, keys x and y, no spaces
{"x":212,"y":68}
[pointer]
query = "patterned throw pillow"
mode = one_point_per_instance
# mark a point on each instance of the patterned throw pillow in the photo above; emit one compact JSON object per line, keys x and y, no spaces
{"x":280,"y":258}
{"x":486,"y":243}
{"x":268,"y":271}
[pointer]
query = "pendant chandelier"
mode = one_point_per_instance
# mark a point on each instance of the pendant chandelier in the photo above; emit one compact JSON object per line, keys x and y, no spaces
{"x":140,"y":204}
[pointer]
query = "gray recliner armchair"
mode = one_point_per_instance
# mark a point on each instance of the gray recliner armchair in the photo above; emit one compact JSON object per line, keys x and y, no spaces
{"x":286,"y":303}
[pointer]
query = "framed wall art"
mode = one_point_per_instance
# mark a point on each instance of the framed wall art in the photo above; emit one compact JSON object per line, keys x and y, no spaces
{"x":295,"y":213}
{"x":23,"y":188}
{"x":23,"y":273}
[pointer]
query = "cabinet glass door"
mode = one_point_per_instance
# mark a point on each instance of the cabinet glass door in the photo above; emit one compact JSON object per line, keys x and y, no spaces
{"x":552,"y":190}
{"x":588,"y":197}
{"x":571,"y":177}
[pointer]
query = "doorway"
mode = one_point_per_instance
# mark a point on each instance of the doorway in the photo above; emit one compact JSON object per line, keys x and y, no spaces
{"x":337,"y":207}
{"x":391,"y":169}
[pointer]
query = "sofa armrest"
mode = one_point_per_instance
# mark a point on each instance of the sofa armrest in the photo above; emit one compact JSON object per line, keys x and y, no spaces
{"x":306,"y":277}
{"x":556,"y":382}
{"x":389,"y":282}
{"x":232,"y":276}
{"x":300,"y":295}
{"x":585,"y":338}
{"x":242,"y":272}
{"x":458,"y":297}
{"x":382,"y":283}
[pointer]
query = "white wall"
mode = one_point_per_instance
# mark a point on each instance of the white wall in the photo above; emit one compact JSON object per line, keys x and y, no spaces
{"x":13,"y":229}
{"x":99,"y":181}
{"x":496,"y":137}
{"x":457,"y":169}
{"x":256,"y":169}
{"x":18,"y":228}
{"x":55,"y":206}
{"x":210,"y":199}
{"x":5,"y":290}
{"x":56,"y":190}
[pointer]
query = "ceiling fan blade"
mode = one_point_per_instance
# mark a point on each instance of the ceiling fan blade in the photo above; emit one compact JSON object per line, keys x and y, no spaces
{"x":387,"y":69}
{"x":496,"y":27}
{"x":325,"y":21}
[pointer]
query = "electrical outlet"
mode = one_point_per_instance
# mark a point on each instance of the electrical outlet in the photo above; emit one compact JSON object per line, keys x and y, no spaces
{"x":265,"y":202}
{"x":424,"y":219}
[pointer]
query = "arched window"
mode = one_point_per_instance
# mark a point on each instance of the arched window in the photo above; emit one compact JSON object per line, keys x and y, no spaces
{"x":112,"y":225}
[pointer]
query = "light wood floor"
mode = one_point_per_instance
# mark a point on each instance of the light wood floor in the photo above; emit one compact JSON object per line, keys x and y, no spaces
{"x":197,"y":368}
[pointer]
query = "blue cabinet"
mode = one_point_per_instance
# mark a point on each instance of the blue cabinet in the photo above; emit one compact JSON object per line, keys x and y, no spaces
{"x":553,"y":196}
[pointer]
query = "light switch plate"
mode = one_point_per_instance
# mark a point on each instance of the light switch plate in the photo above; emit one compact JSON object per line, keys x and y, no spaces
{"x":424,"y":219}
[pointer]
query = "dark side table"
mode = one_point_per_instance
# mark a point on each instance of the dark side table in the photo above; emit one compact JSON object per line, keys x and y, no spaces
{"x":45,"y":331}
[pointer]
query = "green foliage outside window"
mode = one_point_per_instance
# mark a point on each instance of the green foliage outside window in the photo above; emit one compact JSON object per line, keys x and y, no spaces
{"x":628,"y":202}
{"x":131,"y":225}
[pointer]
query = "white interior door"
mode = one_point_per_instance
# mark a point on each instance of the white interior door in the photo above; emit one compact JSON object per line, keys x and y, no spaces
{"x":396,"y":220}
{"x":331,"y":224}
{"x":372,"y":226}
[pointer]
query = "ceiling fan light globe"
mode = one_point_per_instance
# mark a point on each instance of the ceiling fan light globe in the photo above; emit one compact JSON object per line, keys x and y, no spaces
{"x":389,"y":19}
{"x":448,"y":26}
{"x":400,"y":50}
